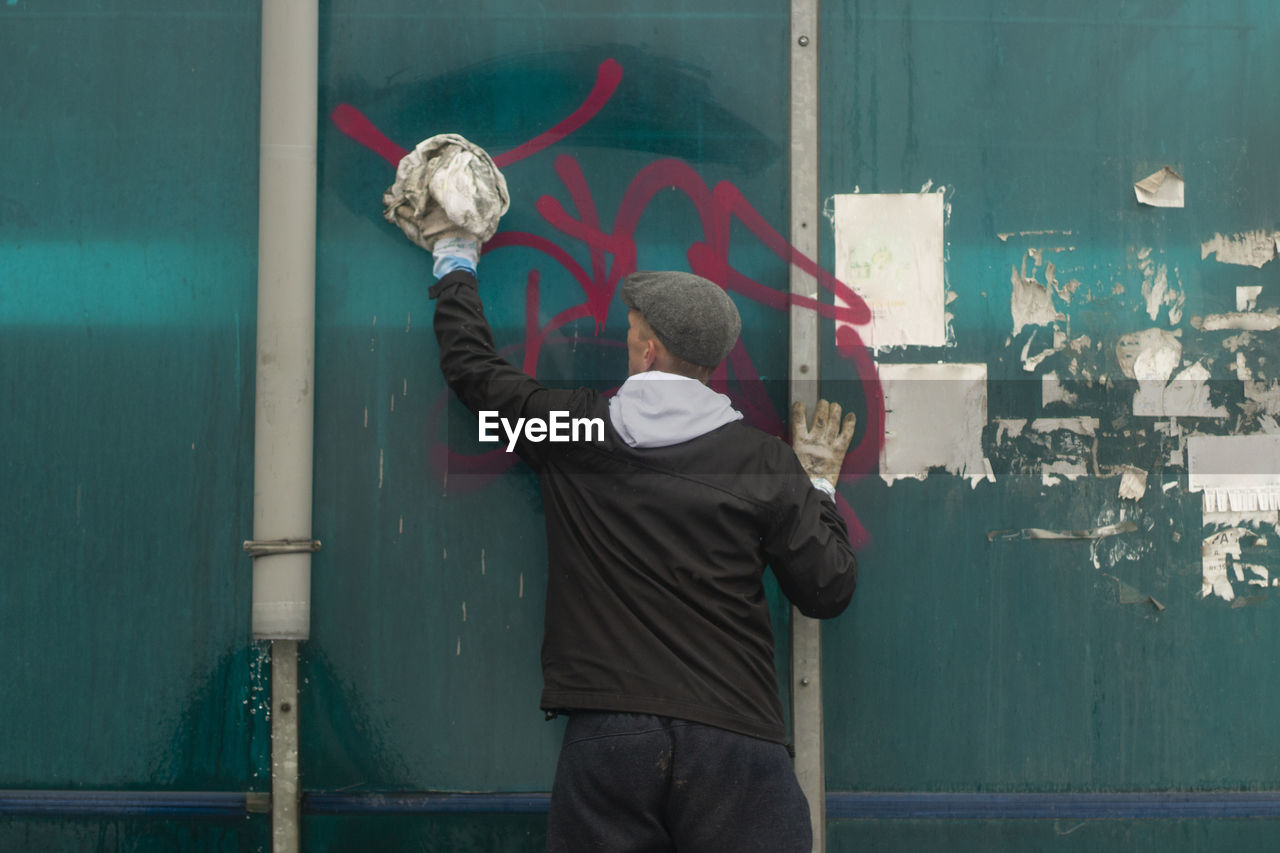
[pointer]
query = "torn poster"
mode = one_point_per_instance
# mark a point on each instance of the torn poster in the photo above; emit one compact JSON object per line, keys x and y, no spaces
{"x":1164,"y":188}
{"x":1156,"y":289}
{"x":1133,"y":483}
{"x":1253,"y":248}
{"x":1185,"y":396}
{"x":1046,"y":449}
{"x":1031,"y":302}
{"x":1235,"y":473}
{"x":889,"y":249}
{"x":1214,"y":552}
{"x":934,"y":417}
{"x":1149,"y":354}
{"x":1052,"y":391}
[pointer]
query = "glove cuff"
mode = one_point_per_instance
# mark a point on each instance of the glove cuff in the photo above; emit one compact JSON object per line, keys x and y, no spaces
{"x":452,"y":252}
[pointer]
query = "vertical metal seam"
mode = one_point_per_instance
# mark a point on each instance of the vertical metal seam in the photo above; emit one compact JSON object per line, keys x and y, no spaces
{"x":806,"y":638}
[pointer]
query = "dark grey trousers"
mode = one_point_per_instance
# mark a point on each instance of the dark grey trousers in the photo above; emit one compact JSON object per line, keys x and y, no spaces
{"x":642,"y":784}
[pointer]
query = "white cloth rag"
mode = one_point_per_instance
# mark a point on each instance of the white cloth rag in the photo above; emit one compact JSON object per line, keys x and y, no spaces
{"x":444,"y":184}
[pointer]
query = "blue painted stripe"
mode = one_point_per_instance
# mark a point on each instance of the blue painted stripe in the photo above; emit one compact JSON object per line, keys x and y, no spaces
{"x":424,"y":803}
{"x":173,"y":804}
{"x":1155,"y":805}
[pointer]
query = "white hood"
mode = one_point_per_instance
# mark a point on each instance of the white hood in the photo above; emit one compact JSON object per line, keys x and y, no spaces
{"x":656,"y":409}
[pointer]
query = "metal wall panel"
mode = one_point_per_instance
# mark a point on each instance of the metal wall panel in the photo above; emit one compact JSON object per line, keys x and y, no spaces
{"x":423,"y":668}
{"x":127,"y":263}
{"x":985,"y":661}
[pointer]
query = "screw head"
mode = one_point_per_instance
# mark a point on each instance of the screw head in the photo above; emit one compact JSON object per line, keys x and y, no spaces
{"x":803,"y":41}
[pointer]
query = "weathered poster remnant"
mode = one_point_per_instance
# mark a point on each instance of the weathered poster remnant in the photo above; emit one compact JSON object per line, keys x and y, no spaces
{"x":1235,"y":473}
{"x":889,"y":249}
{"x":1252,"y":248}
{"x":934,"y":417}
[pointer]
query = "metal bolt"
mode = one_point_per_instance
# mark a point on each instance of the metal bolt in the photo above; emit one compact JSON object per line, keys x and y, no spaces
{"x":804,"y":368}
{"x":804,"y":41}
{"x":285,"y":707}
{"x":804,"y":682}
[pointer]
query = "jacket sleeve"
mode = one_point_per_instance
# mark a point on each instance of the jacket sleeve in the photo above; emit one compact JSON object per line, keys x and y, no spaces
{"x":808,"y":547}
{"x":482,"y":379}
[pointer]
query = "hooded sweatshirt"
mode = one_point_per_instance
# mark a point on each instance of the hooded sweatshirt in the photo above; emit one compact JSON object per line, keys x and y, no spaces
{"x":657,"y":409}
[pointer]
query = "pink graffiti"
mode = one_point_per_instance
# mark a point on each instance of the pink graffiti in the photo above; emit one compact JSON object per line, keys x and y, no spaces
{"x":717,"y":207}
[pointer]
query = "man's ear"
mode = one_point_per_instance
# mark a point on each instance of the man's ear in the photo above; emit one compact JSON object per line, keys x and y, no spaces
{"x":650,"y":353}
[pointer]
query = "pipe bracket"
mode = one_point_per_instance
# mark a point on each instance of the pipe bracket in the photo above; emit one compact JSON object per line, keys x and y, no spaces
{"x":268,"y":547}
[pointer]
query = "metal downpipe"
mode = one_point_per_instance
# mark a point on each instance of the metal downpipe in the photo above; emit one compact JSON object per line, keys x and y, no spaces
{"x":283,"y":433}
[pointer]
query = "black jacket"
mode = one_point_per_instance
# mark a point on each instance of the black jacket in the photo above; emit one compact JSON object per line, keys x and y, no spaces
{"x":655,"y":602}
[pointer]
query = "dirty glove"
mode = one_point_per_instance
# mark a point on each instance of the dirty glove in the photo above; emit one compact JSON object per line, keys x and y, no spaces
{"x":445,"y":184}
{"x":455,"y":249}
{"x":821,"y":449}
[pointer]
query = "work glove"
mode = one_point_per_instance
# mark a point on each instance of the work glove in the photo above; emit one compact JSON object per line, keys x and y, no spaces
{"x":455,"y":249}
{"x":821,"y":449}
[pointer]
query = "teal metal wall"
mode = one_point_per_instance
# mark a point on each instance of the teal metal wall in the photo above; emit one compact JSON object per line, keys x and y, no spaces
{"x":967,"y":665}
{"x":127,"y":299}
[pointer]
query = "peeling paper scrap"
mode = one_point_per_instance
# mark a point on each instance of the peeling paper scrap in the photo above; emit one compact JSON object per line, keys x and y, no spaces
{"x":889,"y":249}
{"x":1247,"y":297}
{"x":1031,"y":303}
{"x":1052,"y":391}
{"x":1039,"y":533}
{"x":1186,"y":396}
{"x":1253,"y":248}
{"x":934,"y":418}
{"x":1005,"y":235}
{"x":1213,"y":562}
{"x":1253,"y":321}
{"x":1164,"y":188}
{"x":1130,"y":595}
{"x":1133,"y":483}
{"x":1009,"y":428}
{"x":1149,"y":354}
{"x":1072,"y":470}
{"x":1081,"y":426}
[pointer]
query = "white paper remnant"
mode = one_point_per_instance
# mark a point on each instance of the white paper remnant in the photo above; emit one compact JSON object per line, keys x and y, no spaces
{"x":1213,"y":562}
{"x":1236,"y":473}
{"x":934,"y":417}
{"x":1133,"y":483}
{"x":889,"y":249}
{"x":1072,"y":469}
{"x":1253,"y":321}
{"x":1080,"y":426}
{"x":1052,"y":391}
{"x":1187,"y":396}
{"x":1165,"y":188}
{"x":1151,"y":357}
{"x":1253,"y":248}
{"x":1149,"y":354}
{"x":1247,"y":297}
{"x":1032,"y":302}
{"x":1157,"y":290}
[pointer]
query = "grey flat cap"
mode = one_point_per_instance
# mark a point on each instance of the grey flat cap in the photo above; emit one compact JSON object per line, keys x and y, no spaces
{"x":692,"y":316}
